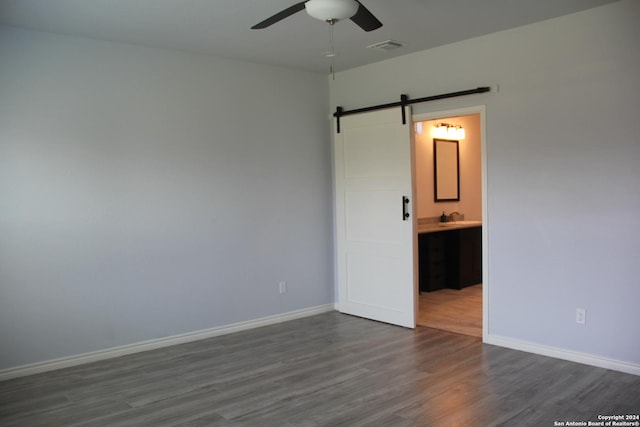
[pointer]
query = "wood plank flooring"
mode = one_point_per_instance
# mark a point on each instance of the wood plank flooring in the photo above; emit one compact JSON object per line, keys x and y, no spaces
{"x":453,"y":310}
{"x":326,"y":370}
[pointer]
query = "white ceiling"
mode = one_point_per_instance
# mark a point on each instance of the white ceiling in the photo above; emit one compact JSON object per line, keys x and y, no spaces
{"x":222,"y":27}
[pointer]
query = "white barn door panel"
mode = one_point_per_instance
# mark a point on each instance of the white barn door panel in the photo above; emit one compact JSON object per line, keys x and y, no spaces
{"x":375,"y":240}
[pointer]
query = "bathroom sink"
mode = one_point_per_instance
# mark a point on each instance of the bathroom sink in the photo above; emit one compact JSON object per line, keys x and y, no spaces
{"x":459,"y":223}
{"x":442,"y":226}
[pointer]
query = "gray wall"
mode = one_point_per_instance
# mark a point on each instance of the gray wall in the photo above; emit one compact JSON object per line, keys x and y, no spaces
{"x":563,"y":149}
{"x":146,"y":193}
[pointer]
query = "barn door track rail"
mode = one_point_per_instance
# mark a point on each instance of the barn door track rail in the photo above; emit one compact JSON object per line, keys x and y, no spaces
{"x":404,"y":101}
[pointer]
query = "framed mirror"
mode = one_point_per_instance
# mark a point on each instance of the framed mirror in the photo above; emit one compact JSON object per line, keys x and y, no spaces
{"x":446,"y":164}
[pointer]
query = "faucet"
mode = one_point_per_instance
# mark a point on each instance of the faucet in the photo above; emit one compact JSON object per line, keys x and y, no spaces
{"x":452,"y":216}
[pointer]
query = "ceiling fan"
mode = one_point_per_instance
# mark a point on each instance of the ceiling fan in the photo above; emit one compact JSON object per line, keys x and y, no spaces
{"x":330,"y":11}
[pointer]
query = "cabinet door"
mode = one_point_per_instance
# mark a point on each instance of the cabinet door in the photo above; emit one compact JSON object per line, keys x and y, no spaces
{"x":470,"y":256}
{"x":432,"y":256}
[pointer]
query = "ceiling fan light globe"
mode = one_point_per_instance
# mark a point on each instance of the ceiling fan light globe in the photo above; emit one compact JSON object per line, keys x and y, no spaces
{"x":331,"y":10}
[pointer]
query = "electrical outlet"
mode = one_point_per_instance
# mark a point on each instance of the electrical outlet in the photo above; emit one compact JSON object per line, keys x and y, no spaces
{"x":581,"y":316}
{"x":283,"y":287}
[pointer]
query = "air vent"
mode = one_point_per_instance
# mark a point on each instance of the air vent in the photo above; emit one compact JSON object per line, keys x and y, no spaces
{"x":386,"y":45}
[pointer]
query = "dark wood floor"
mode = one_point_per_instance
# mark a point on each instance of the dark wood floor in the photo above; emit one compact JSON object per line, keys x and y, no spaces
{"x":325,"y":370}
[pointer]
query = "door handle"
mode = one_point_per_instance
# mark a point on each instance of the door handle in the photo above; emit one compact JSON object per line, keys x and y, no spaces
{"x":405,"y":203}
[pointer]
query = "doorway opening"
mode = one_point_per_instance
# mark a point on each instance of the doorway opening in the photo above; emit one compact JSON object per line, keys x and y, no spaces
{"x":451,"y":256}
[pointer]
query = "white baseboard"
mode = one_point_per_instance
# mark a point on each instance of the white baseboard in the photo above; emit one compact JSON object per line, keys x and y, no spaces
{"x":80,"y":359}
{"x":560,"y":353}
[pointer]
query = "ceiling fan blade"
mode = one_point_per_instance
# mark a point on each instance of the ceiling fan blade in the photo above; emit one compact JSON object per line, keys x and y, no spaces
{"x":280,"y":16}
{"x":365,"y":19}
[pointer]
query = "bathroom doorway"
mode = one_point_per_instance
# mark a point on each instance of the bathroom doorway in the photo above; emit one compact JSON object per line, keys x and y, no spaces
{"x":449,"y":307}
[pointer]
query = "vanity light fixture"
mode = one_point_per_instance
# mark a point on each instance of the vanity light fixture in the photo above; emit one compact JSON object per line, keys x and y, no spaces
{"x":447,"y":131}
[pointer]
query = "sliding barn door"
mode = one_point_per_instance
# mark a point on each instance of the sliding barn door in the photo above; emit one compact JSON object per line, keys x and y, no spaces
{"x":375,"y":236}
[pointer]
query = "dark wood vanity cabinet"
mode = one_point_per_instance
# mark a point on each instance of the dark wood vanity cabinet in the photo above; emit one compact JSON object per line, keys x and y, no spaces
{"x":469,"y":255}
{"x":431,"y":254}
{"x":450,"y":259}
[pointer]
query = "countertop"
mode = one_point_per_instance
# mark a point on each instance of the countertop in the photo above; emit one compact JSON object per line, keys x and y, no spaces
{"x":446,"y":226}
